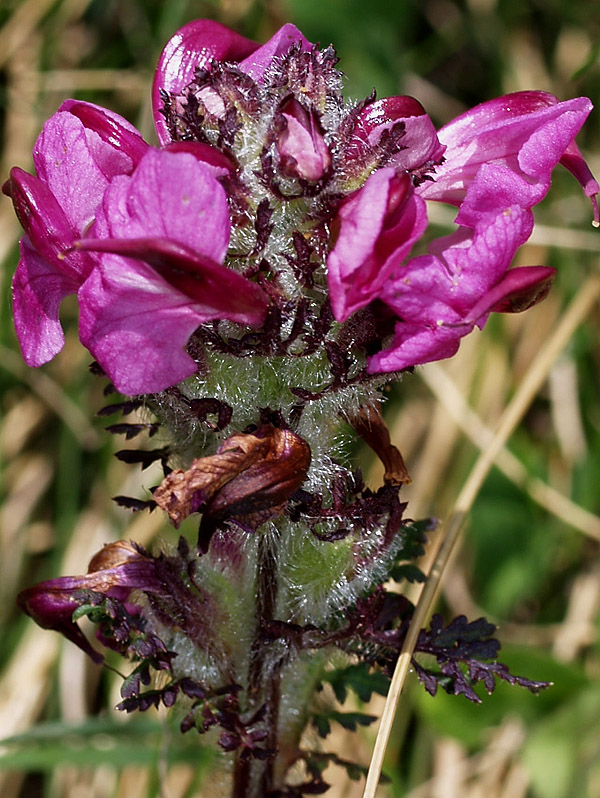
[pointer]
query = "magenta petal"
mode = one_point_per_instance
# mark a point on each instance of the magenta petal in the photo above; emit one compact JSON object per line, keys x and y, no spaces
{"x":44,"y":222}
{"x":174,"y":196}
{"x":388,"y":109}
{"x":137,"y":315}
{"x":424,"y":292}
{"x":136,"y":326}
{"x":422,"y":146}
{"x":496,"y":112}
{"x":492,"y":249}
{"x":547,"y":144}
{"x":527,"y":132}
{"x":519,"y":290}
{"x":422,"y":343}
{"x":67,"y":158}
{"x":415,"y":344}
{"x":301,"y":146}
{"x":38,"y":289}
{"x":221,"y":292}
{"x":257,"y":63}
{"x":219,"y":163}
{"x":112,"y":129}
{"x":573,"y":161}
{"x":360,"y":219}
{"x":495,"y":188}
{"x":297,"y":148}
{"x":378,"y":226}
{"x":193,"y":47}
{"x":443,"y":287}
{"x":39,"y":213}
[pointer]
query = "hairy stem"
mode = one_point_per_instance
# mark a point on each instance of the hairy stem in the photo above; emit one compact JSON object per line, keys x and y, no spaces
{"x":241,"y":778}
{"x":263,"y":687}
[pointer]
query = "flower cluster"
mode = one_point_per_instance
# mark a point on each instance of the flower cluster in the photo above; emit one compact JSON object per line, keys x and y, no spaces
{"x":267,"y":187}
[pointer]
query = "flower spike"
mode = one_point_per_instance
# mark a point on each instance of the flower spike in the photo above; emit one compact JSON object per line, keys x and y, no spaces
{"x":252,"y":285}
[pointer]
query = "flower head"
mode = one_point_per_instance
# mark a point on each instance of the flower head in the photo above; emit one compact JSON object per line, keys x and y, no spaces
{"x":258,"y":277}
{"x":269,"y":199}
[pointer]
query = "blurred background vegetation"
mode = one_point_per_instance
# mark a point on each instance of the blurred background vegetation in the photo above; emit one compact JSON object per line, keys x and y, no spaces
{"x":530,"y":559}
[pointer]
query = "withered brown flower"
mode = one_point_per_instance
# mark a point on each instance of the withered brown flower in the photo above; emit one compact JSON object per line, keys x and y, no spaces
{"x":369,"y":424}
{"x":250,"y":479}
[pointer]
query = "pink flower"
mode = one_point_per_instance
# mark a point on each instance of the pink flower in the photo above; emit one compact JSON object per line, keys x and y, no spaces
{"x":80,"y":146}
{"x":161,"y":236}
{"x":176,"y":275}
{"x":510,"y":146}
{"x":377,"y":228}
{"x":497,"y":164}
{"x":441,"y":297}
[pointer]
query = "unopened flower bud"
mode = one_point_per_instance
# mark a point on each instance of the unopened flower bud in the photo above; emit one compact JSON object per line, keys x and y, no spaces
{"x":402,"y":132}
{"x":115,"y":571}
{"x":301,"y":146}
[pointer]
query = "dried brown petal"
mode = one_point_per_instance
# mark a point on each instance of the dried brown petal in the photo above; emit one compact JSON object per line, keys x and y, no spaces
{"x":251,"y":477}
{"x":371,"y":427}
{"x":112,"y":555}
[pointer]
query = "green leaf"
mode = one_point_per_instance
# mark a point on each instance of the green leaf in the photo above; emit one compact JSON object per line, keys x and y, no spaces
{"x":348,"y":720}
{"x":318,"y":761}
{"x":352,"y":720}
{"x":97,"y":741}
{"x":408,"y":572}
{"x":360,"y":679}
{"x":322,"y":725}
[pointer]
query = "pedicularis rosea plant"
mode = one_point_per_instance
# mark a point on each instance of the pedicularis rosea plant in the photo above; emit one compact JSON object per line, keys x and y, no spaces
{"x":250,"y":283}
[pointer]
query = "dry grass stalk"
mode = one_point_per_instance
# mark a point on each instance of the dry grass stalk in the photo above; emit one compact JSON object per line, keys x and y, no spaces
{"x":449,"y":396}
